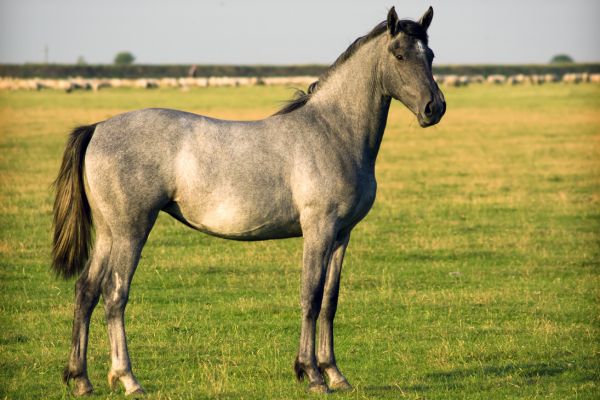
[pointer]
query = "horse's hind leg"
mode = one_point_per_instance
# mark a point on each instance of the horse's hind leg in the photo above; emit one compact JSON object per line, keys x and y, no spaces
{"x":124,"y":257}
{"x":87,"y":292}
{"x":325,"y":354}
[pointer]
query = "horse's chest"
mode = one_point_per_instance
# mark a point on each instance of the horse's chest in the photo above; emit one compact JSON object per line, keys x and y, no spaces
{"x":358,"y":200}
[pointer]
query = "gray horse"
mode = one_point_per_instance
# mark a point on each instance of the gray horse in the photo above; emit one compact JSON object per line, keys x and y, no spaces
{"x":308,"y":170}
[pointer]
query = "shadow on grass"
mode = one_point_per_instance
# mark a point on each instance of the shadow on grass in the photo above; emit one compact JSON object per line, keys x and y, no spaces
{"x":454,"y":379}
{"x":525,"y":371}
{"x":380,"y":389}
{"x":448,"y":256}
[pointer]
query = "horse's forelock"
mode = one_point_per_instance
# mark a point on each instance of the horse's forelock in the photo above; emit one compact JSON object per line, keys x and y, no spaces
{"x":412,"y":28}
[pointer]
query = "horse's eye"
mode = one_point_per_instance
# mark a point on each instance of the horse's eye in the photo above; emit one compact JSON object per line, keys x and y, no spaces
{"x":399,"y":57}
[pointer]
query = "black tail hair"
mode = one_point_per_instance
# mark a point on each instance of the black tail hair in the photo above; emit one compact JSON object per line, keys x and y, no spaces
{"x":72,"y":222}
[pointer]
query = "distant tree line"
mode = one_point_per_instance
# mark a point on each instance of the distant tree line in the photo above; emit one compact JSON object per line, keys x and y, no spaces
{"x":175,"y":71}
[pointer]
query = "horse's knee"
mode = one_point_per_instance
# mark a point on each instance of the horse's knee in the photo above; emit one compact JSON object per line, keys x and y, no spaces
{"x":328,"y":312}
{"x":310,"y":312}
{"x":311,"y":303}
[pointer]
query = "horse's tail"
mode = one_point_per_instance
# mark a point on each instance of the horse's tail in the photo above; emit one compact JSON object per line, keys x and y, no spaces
{"x":72,"y":215}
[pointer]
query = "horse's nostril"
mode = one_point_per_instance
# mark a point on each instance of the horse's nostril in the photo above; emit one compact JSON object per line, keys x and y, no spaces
{"x":428,"y":110}
{"x":443,"y":107}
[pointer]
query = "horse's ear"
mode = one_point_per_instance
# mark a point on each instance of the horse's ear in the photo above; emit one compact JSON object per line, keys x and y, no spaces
{"x":425,"y":20}
{"x":392,"y":21}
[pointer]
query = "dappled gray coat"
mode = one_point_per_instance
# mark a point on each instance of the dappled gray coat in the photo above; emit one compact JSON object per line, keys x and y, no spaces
{"x":306,"y":171}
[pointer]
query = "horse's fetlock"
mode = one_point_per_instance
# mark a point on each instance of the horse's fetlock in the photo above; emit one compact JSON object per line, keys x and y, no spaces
{"x":70,"y":372}
{"x":66,"y":375}
{"x":324,"y":366}
{"x":117,"y":373}
{"x":113,"y":377}
{"x":299,"y":370}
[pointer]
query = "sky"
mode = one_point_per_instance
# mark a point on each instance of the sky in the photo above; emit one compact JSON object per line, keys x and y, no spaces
{"x":289,"y":32}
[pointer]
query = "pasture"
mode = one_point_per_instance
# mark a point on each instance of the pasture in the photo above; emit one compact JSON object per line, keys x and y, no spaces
{"x":475,"y":275}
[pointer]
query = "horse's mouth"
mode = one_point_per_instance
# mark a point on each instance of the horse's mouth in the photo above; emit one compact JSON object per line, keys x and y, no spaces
{"x":427,"y":122}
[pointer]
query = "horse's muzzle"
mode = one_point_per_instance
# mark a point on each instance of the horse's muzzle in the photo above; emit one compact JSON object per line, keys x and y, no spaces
{"x":432,"y":113}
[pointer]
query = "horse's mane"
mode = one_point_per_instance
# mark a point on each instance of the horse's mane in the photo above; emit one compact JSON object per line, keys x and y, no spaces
{"x":301,"y":97}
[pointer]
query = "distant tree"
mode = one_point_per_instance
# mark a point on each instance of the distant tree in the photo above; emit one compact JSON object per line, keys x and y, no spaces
{"x":81,"y":61}
{"x":124,"y":58}
{"x":561,"y":59}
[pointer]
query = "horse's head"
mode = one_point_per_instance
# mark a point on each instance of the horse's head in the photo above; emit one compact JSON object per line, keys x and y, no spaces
{"x":406,"y":68}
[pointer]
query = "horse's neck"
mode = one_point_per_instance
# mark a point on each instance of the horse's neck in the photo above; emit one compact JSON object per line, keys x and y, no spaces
{"x":351,"y":100}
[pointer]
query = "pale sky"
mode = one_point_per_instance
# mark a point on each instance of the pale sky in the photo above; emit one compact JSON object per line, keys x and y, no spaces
{"x":289,"y":32}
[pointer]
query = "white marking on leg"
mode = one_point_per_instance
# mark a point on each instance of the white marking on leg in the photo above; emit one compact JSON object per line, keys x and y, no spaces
{"x":117,"y":287}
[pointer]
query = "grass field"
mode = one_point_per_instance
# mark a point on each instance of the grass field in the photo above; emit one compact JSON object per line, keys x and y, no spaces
{"x":476,"y":274}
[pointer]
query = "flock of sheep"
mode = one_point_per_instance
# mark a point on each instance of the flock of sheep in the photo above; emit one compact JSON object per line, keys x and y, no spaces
{"x":519,"y":79}
{"x":69,"y":85}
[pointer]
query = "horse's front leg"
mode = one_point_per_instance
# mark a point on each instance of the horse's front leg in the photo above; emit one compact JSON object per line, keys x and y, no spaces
{"x":325,"y":355}
{"x":319,"y":237}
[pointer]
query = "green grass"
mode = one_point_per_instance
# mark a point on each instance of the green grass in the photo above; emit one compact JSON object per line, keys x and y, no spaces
{"x":476,"y":274}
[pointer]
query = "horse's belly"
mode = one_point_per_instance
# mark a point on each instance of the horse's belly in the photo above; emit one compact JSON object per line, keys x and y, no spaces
{"x":239,"y":220}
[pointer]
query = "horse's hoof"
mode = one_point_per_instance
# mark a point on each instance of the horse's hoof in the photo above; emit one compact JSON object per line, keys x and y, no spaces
{"x":83,"y":387}
{"x":130,"y":384}
{"x":319,"y":388}
{"x":136,"y":392}
{"x":77,"y":393}
{"x":342,"y":386}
